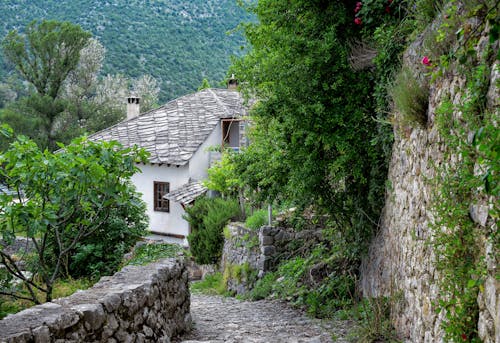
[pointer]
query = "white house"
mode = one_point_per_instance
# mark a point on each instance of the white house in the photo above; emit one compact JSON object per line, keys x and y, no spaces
{"x":180,"y":137}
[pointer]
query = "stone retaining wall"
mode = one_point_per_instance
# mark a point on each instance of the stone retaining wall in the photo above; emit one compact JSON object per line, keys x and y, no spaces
{"x":279,"y":243}
{"x":401,"y":262}
{"x":138,"y":304}
{"x":248,"y":254}
{"x":240,"y":257}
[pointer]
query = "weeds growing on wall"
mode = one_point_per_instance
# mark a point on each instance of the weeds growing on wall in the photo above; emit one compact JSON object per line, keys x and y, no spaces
{"x":471,"y":178}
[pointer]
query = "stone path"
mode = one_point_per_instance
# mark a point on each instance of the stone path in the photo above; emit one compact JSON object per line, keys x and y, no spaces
{"x":228,"y":320}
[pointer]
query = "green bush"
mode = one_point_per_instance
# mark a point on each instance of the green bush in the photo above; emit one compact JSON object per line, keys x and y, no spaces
{"x":257,"y":219}
{"x":263,"y":287}
{"x":207,"y":219}
{"x":92,"y":256}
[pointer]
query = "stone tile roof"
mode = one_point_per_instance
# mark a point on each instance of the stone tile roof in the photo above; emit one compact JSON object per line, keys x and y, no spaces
{"x":172,"y":133}
{"x":187,"y":193}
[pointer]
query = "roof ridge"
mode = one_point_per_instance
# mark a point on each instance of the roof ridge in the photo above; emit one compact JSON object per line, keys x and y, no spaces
{"x":220,"y":102}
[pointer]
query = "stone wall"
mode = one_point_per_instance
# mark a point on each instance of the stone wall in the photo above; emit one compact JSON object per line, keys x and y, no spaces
{"x":401,"y":263}
{"x":138,"y":304}
{"x":280,"y":243}
{"x":240,"y":257}
{"x":248,"y":254}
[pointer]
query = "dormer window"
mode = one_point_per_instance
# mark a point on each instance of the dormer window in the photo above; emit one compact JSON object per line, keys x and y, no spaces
{"x":231,"y":133}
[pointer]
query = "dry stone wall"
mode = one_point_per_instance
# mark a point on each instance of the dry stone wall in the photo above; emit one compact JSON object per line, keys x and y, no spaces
{"x":138,"y":304}
{"x":401,"y":263}
{"x":248,"y":254}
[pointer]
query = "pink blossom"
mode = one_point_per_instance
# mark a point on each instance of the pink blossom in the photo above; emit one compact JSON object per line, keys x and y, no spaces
{"x":358,"y":7}
{"x":357,"y":21}
{"x":426,"y":61}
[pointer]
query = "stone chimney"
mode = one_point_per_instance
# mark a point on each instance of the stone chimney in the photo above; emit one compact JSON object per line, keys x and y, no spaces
{"x":232,"y":83}
{"x":133,"y":108}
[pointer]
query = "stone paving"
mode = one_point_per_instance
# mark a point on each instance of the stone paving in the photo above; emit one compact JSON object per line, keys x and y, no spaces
{"x":228,"y":320}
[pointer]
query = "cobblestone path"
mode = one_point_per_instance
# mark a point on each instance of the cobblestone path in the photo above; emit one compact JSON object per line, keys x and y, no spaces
{"x":228,"y":320}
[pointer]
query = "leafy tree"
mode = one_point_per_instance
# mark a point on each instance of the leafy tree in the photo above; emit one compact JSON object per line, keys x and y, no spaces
{"x":71,"y":205}
{"x":45,"y":55}
{"x":204,"y":84}
{"x":314,"y":121}
{"x":146,"y":87}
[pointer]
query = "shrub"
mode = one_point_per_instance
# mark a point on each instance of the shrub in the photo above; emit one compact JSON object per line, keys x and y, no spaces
{"x":257,"y":219}
{"x":410,"y":98}
{"x":207,"y":218}
{"x":78,"y":206}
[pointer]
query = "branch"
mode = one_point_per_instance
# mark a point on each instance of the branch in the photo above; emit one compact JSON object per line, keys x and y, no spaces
{"x":14,"y":295}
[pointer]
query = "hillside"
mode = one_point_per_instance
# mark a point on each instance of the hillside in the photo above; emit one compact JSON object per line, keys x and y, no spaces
{"x":178,"y":42}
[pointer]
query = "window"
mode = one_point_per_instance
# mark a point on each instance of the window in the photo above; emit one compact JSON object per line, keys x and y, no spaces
{"x":231,"y":133}
{"x":161,"y":189}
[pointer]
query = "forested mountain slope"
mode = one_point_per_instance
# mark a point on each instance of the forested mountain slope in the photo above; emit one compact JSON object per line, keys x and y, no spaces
{"x":178,"y":42}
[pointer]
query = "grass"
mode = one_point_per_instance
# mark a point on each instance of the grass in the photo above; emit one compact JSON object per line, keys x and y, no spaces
{"x":212,"y":284}
{"x":148,"y":253}
{"x":375,"y":323}
{"x":410,"y":99}
{"x":62,"y":288}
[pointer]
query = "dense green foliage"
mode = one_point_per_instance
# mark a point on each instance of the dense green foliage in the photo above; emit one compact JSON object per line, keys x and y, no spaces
{"x":207,"y":218}
{"x":177,"y":42}
{"x":45,"y":54}
{"x":73,"y":206}
{"x":320,"y":135}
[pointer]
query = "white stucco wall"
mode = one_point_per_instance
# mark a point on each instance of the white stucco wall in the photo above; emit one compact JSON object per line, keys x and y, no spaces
{"x":200,"y":162}
{"x":163,"y":222}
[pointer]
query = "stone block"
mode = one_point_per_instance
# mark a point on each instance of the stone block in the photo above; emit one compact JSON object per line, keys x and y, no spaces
{"x":93,"y":315}
{"x":266,"y":230}
{"x":268,"y":250}
{"x":111,"y":302}
{"x":41,"y":334}
{"x":267,"y":240}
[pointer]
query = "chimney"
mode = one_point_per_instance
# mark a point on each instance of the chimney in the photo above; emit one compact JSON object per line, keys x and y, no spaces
{"x":133,"y":108}
{"x":232,"y":83}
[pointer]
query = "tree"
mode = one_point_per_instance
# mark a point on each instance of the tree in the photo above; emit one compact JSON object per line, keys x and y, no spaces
{"x":71,"y":205}
{"x":45,"y":55}
{"x":204,"y":84}
{"x":146,"y":87}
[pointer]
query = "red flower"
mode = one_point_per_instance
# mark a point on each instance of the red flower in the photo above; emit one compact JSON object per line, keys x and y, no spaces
{"x":387,"y":9}
{"x":426,"y":61}
{"x":464,"y":337}
{"x":358,"y":7}
{"x":357,"y":21}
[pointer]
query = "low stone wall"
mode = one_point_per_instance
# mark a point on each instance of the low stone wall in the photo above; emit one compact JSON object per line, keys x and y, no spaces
{"x":249,"y":254}
{"x":279,"y":243}
{"x":138,"y":304}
